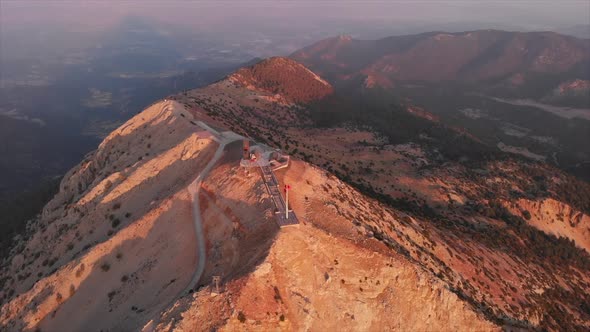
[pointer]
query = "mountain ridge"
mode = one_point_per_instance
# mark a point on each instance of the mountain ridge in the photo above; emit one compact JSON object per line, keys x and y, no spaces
{"x":473,"y":56}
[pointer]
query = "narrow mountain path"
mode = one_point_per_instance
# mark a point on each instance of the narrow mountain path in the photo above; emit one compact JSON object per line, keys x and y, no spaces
{"x":194,"y":189}
{"x":223,"y":138}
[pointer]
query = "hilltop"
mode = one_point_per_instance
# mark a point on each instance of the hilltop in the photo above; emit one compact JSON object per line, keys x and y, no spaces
{"x":284,"y":77}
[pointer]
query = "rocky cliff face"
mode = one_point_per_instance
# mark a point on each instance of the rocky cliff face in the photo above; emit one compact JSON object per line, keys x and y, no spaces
{"x":555,"y":218}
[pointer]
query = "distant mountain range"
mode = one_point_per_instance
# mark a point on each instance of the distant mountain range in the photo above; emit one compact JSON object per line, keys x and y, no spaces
{"x":516,"y":89}
{"x":578,"y":30}
{"x":521,"y":64}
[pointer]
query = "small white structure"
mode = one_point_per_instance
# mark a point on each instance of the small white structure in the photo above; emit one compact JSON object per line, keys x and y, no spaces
{"x":263,"y":155}
{"x":215,"y":288}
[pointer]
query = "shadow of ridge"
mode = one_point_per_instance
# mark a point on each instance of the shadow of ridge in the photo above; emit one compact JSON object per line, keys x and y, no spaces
{"x":254,"y":236}
{"x":134,"y":197}
{"x":18,"y":323}
{"x":248,"y":263}
{"x":105,"y":290}
{"x":252,"y":259}
{"x":259,"y":238}
{"x":202,"y":156}
{"x":162,"y":192}
{"x":179,"y":185}
{"x":125,"y":174}
{"x":258,"y":235}
{"x":168,"y":189}
{"x":253,"y":246}
{"x":100,"y":161}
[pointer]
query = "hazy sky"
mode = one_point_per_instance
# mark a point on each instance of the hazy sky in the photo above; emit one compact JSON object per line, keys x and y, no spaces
{"x":526,"y":13}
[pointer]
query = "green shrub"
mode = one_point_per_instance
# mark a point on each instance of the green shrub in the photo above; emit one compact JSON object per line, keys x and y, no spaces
{"x":526,"y":214}
{"x":111,"y":294}
{"x":80,"y":270}
{"x":241,"y":317}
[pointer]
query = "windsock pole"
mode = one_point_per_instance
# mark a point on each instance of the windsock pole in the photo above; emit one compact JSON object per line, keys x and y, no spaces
{"x":287,"y":187}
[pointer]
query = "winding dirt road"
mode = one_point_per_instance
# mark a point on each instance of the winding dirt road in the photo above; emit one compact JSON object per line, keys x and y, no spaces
{"x":223,"y":139}
{"x":194,"y":188}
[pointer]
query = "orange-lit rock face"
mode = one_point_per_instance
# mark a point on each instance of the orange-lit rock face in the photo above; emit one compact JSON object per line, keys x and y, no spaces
{"x":117,"y":233}
{"x":285,"y":77}
{"x":556,"y":218}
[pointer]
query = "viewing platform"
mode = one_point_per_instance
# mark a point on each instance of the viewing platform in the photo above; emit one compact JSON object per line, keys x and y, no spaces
{"x":270,"y":160}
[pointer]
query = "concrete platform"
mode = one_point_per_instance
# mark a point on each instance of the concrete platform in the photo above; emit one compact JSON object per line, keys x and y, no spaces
{"x":272,"y":186}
